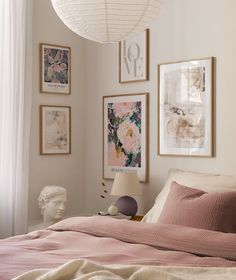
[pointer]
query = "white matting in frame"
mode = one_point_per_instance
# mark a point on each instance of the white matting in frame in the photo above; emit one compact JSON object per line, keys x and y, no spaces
{"x":186,"y":108}
{"x":125,"y":128}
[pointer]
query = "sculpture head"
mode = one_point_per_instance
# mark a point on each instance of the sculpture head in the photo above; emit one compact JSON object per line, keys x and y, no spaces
{"x":52,"y":200}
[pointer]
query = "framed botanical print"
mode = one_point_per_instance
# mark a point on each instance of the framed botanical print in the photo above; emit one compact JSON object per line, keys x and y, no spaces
{"x":134,"y":58}
{"x":55,"y":130}
{"x":125,"y":127}
{"x":186,"y":108}
{"x":55,"y":69}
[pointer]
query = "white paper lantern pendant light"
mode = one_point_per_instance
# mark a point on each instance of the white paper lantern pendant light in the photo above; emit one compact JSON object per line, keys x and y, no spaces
{"x":107,"y":21}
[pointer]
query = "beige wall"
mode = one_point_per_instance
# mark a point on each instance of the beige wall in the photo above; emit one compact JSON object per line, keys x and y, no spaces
{"x":185,"y":29}
{"x":63,"y":170}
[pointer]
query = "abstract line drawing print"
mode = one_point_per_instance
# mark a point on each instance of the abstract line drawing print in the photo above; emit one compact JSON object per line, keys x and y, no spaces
{"x":56,"y":137}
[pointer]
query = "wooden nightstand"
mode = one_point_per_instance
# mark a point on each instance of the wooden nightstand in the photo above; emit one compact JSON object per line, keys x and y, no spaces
{"x":137,"y":218}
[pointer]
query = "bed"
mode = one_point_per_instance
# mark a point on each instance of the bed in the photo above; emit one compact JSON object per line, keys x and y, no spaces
{"x":174,"y":241}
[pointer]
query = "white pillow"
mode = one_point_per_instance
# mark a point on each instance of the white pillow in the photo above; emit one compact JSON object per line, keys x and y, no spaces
{"x":203,"y":181}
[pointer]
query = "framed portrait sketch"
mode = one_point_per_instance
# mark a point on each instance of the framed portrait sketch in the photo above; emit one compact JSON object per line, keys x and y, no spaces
{"x":186,"y":108}
{"x":55,"y":69}
{"x":55,"y":130}
{"x":134,"y":58}
{"x":125,"y":127}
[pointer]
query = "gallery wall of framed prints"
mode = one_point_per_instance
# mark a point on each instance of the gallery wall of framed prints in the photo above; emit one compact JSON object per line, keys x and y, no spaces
{"x":55,"y":120}
{"x":125,"y":116}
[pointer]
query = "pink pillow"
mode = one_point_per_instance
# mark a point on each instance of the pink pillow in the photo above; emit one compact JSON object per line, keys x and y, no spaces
{"x":196,"y":208}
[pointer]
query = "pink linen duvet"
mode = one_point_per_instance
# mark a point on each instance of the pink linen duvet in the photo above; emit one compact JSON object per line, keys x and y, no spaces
{"x":106,"y":240}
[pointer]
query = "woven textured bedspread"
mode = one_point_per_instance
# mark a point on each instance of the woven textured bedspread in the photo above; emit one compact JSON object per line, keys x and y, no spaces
{"x":105,"y":240}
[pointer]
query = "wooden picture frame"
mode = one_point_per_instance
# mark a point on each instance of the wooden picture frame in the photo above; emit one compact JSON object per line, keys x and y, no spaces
{"x":55,"y":69}
{"x":134,"y":58}
{"x":186,"y":108}
{"x":55,"y":130}
{"x":125,"y":135}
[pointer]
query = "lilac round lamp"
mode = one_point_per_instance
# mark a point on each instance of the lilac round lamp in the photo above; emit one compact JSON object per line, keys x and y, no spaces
{"x":126,"y":185}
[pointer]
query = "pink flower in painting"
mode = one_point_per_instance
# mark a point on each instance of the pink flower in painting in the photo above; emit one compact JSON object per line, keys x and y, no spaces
{"x":116,"y":156}
{"x":123,"y":109}
{"x":59,"y":56}
{"x":129,"y":136}
{"x":50,"y":59}
{"x":57,"y":68}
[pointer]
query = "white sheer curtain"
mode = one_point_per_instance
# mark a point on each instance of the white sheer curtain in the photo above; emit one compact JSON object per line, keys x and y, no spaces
{"x":15,"y":109}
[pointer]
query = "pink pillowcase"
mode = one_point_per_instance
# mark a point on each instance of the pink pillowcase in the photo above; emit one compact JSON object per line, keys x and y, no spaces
{"x":195,"y":208}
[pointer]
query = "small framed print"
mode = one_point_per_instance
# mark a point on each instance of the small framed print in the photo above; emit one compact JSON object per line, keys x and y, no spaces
{"x":186,"y":108}
{"x":55,"y":130}
{"x":125,"y":127}
{"x":134,"y":58}
{"x":55,"y":69}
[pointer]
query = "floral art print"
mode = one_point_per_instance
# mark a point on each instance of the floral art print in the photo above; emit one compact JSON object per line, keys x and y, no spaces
{"x":55,"y":66}
{"x":55,"y":69}
{"x":125,"y":135}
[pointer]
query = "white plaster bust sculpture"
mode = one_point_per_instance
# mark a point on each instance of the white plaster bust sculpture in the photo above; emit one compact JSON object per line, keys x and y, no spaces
{"x":52,"y":201}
